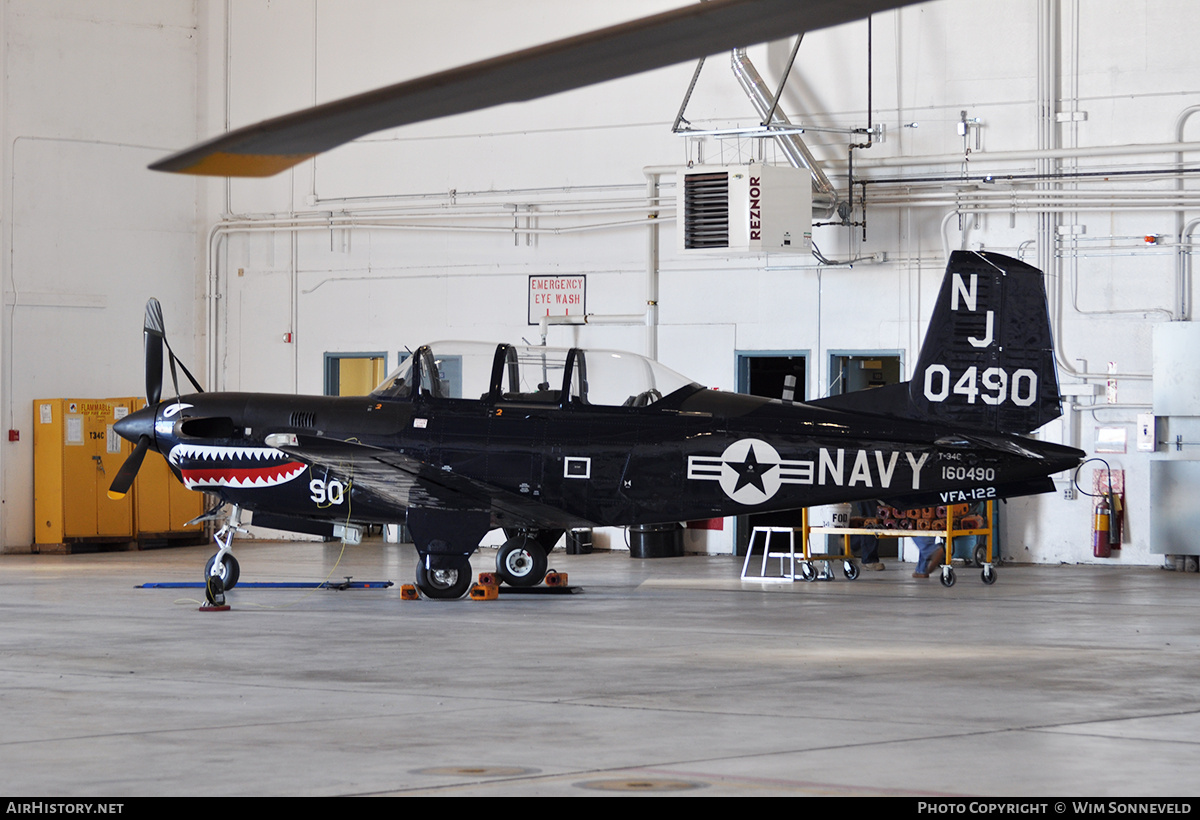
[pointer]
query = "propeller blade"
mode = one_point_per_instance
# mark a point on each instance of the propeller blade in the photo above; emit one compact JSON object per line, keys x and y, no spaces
{"x":688,"y":33}
{"x":129,"y":470}
{"x":154,"y":336}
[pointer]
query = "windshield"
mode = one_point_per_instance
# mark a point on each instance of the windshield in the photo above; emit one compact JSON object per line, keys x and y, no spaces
{"x":398,"y":384}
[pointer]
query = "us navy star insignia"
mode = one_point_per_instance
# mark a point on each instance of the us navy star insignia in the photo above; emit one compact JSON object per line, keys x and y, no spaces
{"x":748,"y":471}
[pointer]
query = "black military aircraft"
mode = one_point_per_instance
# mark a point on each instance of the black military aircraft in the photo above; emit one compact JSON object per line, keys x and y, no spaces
{"x":466,"y":437}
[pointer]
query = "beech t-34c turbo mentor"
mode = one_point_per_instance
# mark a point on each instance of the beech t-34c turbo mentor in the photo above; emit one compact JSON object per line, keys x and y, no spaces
{"x":467,"y":437}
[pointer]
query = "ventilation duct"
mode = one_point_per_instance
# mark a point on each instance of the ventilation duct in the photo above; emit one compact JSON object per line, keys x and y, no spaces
{"x":824,"y":199}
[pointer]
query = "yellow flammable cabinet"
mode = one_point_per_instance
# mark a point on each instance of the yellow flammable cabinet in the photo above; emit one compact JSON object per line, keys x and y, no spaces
{"x":76,"y":455}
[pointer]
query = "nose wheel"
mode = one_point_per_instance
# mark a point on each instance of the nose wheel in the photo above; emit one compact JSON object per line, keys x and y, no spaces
{"x":229,"y":570}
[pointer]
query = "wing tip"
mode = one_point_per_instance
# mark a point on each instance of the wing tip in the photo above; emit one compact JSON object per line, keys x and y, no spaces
{"x":229,"y":164}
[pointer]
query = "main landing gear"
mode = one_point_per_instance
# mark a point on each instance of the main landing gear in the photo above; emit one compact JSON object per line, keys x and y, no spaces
{"x":451,"y":578}
{"x":522,"y":560}
{"x":445,"y":540}
{"x":222,"y":570}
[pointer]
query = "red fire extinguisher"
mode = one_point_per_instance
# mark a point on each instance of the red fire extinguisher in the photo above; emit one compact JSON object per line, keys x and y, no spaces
{"x":1102,"y":529}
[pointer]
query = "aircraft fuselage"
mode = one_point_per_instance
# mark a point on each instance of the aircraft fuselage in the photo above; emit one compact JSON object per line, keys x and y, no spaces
{"x":702,"y":455}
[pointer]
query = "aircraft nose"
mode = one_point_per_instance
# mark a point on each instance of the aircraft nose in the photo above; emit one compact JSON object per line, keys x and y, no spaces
{"x":136,"y":425}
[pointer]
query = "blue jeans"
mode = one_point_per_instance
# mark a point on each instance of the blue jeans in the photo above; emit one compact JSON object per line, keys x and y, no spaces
{"x":926,"y":547}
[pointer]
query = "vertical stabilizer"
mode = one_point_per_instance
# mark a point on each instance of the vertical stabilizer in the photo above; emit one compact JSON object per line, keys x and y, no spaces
{"x":987,"y":362}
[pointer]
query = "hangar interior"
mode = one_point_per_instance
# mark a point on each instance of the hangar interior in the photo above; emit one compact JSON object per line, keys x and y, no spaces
{"x":1060,"y":132}
{"x":1036,"y":128}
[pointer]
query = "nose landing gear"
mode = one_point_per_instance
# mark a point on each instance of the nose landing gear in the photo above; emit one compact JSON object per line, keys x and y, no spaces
{"x":222,"y":571}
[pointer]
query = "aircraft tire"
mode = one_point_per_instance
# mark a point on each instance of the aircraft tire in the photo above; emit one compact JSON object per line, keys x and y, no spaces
{"x":230,"y":570}
{"x":445,"y":583}
{"x":521,"y":562}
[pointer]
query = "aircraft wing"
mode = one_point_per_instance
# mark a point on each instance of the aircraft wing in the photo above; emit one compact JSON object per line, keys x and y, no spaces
{"x":630,"y":48}
{"x":410,"y":482}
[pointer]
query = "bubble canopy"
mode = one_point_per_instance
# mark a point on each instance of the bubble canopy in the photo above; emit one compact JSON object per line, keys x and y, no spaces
{"x":539,"y":375}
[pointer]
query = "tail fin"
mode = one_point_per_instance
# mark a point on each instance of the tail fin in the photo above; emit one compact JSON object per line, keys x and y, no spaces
{"x":987,"y":362}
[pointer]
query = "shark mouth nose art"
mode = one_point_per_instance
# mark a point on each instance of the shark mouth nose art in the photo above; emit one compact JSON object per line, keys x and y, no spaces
{"x":205,"y":465}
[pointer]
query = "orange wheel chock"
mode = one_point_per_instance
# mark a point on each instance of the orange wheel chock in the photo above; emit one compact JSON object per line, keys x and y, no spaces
{"x":485,"y":592}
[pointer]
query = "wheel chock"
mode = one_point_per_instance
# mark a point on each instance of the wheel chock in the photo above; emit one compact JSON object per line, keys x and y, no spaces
{"x":408,"y":592}
{"x":485,"y":592}
{"x":214,"y":595}
{"x":489,"y":578}
{"x":556,"y":579}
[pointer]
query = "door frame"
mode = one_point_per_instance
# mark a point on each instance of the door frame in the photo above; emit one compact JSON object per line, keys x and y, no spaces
{"x":742,"y":384}
{"x":331,"y":369}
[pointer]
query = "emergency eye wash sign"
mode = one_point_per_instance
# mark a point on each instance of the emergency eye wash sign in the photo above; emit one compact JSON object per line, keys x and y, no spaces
{"x":557,"y":296}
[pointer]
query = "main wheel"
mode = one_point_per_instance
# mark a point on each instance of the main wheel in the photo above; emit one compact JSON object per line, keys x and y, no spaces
{"x":521,"y":562}
{"x":445,"y":583}
{"x":948,"y":577}
{"x":229,"y":571}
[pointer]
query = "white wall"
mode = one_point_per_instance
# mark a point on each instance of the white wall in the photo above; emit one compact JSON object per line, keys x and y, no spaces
{"x":90,"y":93}
{"x":1129,"y":66}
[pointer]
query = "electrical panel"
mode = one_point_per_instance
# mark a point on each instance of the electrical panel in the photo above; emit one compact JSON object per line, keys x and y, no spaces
{"x":750,"y":209}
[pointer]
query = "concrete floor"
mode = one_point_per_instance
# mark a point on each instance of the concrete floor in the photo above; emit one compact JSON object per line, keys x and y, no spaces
{"x":663,"y":676}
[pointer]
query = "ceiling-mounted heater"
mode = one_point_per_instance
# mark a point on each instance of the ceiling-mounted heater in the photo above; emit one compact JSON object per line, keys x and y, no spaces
{"x":745,"y":209}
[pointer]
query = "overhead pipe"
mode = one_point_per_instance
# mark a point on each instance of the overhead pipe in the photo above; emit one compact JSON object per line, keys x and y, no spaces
{"x":1183,"y":265}
{"x":544,"y":322}
{"x":825,"y":198}
{"x":312,"y":222}
{"x":1134,"y":149}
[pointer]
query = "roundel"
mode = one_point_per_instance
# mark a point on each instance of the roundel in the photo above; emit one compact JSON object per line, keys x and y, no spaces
{"x":750,"y":471}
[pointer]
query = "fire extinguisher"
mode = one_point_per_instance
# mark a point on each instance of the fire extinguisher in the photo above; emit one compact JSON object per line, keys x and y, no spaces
{"x":1106,"y":516}
{"x":1102,"y":528}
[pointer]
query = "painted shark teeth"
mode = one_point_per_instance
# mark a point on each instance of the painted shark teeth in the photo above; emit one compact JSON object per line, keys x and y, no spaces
{"x":211,"y":452}
{"x":242,"y":479}
{"x":207,"y":465}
